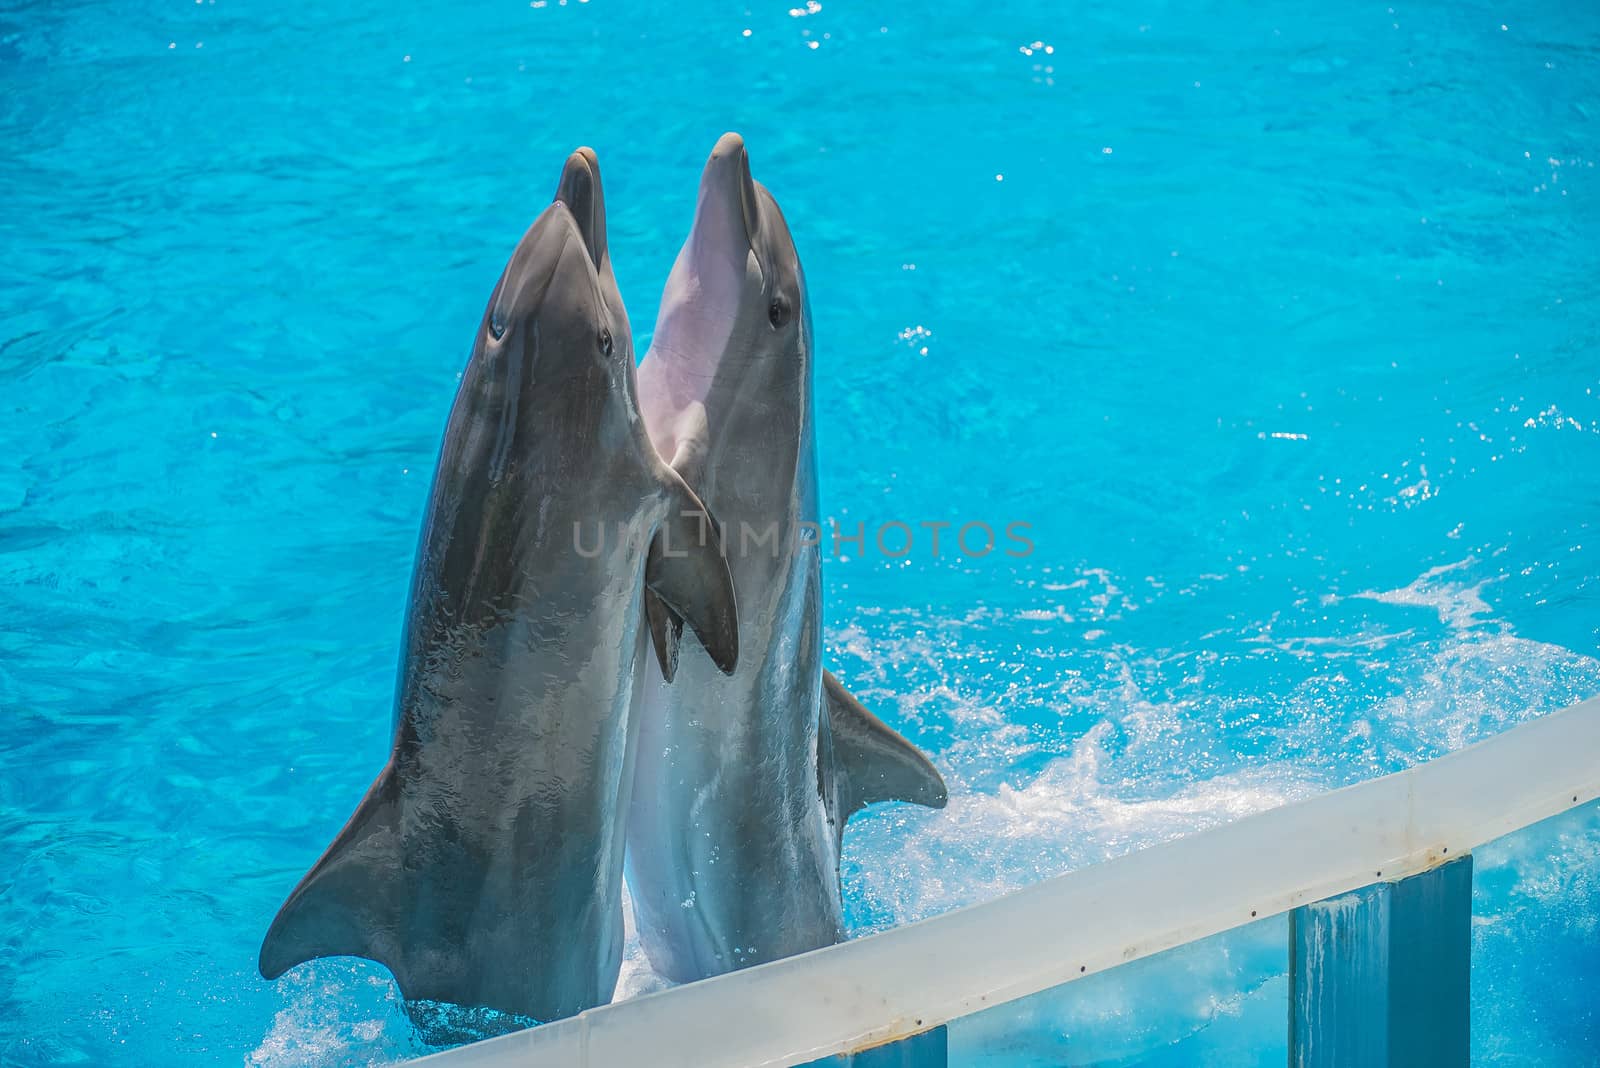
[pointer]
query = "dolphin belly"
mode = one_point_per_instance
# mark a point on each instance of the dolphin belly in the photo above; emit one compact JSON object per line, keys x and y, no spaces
{"x":731,"y":860}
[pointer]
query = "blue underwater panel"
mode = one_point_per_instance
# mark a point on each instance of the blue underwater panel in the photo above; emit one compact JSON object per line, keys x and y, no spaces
{"x":928,"y":1049}
{"x":1219,"y":1002}
{"x":1381,"y":976}
{"x":1536,"y":944}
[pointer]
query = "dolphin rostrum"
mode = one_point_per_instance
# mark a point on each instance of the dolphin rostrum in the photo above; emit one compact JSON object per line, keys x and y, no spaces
{"x":484,"y":866}
{"x":744,"y":783}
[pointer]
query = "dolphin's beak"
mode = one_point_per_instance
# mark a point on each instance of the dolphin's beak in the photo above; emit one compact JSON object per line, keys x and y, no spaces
{"x":728,"y":210}
{"x":579,"y":190}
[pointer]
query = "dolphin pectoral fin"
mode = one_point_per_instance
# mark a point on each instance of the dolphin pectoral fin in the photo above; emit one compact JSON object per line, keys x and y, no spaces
{"x":666,"y":629}
{"x":687,"y":571}
{"x":870,"y":761}
{"x":347,"y":905}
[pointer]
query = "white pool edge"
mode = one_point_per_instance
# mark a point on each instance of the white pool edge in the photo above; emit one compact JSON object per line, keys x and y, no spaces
{"x":886,"y":986}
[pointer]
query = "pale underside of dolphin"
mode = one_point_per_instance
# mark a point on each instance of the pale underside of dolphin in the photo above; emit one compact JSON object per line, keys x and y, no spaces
{"x":484,"y":866}
{"x":745,"y":782}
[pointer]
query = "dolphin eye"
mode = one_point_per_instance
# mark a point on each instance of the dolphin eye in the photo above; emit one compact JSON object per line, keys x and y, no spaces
{"x":497,"y":323}
{"x":605,"y":341}
{"x":778,"y":312}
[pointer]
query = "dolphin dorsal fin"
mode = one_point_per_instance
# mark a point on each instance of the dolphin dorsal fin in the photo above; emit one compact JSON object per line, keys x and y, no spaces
{"x":871,"y":762}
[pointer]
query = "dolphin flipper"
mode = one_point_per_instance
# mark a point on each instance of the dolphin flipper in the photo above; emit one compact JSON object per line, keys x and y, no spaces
{"x":666,"y":626}
{"x":347,"y":905}
{"x":666,"y":632}
{"x":687,"y":572}
{"x":870,"y":761}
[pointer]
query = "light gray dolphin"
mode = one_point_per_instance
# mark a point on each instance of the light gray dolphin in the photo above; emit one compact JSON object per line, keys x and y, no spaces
{"x":484,"y":867}
{"x":745,"y":782}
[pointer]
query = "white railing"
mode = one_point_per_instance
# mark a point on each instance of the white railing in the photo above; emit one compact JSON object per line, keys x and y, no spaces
{"x":887,"y":986}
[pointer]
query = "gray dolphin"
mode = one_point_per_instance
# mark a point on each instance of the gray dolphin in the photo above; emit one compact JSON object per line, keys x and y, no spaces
{"x":484,"y":867}
{"x":744,"y":783}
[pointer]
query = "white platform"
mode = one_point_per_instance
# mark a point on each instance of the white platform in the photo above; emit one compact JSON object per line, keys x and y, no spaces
{"x":893,"y":984}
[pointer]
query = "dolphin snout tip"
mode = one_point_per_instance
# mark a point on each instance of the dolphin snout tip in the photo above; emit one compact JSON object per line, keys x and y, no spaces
{"x":729,"y":157}
{"x":730,"y":160}
{"x":579,"y":192}
{"x":729,"y":144}
{"x":579,"y":176}
{"x":727,"y":184}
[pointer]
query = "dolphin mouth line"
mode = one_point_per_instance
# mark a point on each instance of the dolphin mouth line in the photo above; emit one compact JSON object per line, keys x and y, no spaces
{"x":580,"y":194}
{"x":728,"y":190}
{"x":690,"y":363}
{"x":577,"y":227}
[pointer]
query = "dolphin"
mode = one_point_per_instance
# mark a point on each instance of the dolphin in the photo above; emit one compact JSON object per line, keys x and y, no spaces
{"x":744,"y":782}
{"x":484,"y":866}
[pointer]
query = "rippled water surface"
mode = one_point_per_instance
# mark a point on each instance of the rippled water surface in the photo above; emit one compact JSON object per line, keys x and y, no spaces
{"x":1279,"y":329}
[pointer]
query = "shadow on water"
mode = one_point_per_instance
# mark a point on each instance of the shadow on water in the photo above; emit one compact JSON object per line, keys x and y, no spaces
{"x":441,"y":1024}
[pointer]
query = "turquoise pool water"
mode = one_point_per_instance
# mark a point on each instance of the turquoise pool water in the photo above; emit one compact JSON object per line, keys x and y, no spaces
{"x":1279,"y":329}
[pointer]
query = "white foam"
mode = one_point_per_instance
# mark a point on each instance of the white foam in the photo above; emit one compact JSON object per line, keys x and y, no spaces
{"x":305,"y":1034}
{"x":1480,"y":677}
{"x":908,"y":864}
{"x":1460,"y":604}
{"x":637,"y":977}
